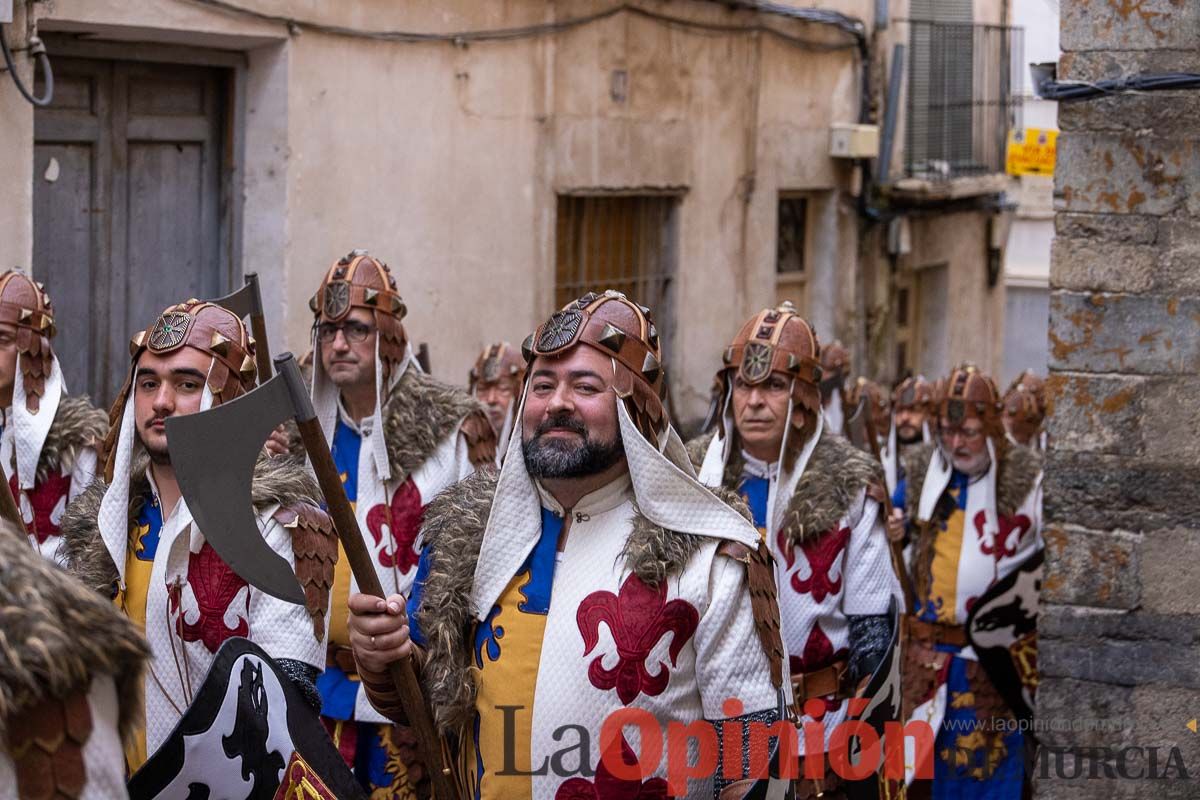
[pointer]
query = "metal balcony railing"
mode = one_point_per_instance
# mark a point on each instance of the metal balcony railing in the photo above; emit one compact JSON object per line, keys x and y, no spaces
{"x":964,"y":94}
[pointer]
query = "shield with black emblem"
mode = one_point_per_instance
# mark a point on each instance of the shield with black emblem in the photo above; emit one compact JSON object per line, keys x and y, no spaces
{"x":1002,"y":627}
{"x":248,"y":735}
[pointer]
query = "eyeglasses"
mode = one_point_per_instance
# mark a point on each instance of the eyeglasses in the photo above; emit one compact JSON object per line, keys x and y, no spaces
{"x":965,"y":435}
{"x":354,"y":332}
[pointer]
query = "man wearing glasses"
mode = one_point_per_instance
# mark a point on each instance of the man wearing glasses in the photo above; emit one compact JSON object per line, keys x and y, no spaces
{"x":973,"y":502}
{"x":399,"y":437}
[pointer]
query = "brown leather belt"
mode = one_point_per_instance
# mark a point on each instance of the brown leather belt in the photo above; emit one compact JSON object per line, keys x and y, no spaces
{"x":936,"y":632}
{"x":822,"y":682}
{"x":342,"y":658}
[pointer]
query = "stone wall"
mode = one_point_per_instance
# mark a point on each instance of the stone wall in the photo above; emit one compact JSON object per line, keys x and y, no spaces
{"x":1120,"y":621}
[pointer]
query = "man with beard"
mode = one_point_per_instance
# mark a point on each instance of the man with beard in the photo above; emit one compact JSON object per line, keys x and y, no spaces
{"x":974,"y":502}
{"x":49,"y":440}
{"x":398,"y":437}
{"x":594,"y":541}
{"x":912,"y":400}
{"x":835,"y":368}
{"x":1025,"y":411}
{"x":131,"y":535}
{"x":496,"y":381}
{"x":816,"y":502}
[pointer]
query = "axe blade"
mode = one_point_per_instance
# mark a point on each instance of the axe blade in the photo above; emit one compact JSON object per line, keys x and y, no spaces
{"x":856,"y":430}
{"x":245,"y":301}
{"x":214,"y":453}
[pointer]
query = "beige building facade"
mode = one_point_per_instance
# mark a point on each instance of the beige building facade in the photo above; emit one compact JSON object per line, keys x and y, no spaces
{"x":512,"y":154}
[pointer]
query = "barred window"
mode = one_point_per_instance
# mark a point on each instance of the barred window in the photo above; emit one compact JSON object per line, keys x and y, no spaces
{"x":622,"y":242}
{"x":964,"y":84}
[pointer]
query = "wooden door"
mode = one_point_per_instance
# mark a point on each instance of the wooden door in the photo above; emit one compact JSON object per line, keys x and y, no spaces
{"x":129,"y":207}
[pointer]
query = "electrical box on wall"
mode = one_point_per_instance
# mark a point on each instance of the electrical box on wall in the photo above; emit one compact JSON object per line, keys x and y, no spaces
{"x":6,"y":10}
{"x":854,"y":141}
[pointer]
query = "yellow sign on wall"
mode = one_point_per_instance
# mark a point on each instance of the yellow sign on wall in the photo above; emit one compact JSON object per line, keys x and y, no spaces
{"x":1031,"y":151}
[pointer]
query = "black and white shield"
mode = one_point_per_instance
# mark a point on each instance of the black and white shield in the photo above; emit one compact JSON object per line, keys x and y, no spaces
{"x":1002,"y":627}
{"x":247,"y":732}
{"x":876,"y":705}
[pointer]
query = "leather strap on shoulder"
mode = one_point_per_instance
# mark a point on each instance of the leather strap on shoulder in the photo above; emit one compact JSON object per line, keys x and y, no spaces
{"x":764,"y":602}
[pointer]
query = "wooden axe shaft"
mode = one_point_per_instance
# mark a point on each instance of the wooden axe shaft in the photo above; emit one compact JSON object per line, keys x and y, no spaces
{"x":402,"y":673}
{"x":262,"y":352}
{"x":258,"y":327}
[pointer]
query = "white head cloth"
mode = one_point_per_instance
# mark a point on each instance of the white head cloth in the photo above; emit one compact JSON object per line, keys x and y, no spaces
{"x":712,"y":470}
{"x":833,"y":412}
{"x":325,"y":402}
{"x":25,"y":434}
{"x":937,"y":477}
{"x":891,"y":457}
{"x":113,"y":519}
{"x":663,"y":483}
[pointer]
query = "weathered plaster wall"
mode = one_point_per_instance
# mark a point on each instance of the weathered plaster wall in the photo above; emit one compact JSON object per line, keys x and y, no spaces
{"x":445,"y":159}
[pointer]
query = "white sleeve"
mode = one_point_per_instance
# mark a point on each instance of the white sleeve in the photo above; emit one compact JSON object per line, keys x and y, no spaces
{"x":870,"y":579}
{"x":283,"y":629}
{"x":730,"y":661}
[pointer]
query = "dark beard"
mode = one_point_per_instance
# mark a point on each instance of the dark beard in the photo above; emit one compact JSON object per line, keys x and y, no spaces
{"x":914,"y":439}
{"x":159,"y":457}
{"x":554,"y":458}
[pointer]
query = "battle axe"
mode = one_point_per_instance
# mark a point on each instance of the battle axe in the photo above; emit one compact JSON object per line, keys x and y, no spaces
{"x":214,"y":453}
{"x":247,"y":302}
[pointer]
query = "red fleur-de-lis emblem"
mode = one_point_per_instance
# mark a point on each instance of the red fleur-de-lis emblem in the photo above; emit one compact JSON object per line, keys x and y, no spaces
{"x":42,"y":506}
{"x":214,"y":585}
{"x":638,"y":617}
{"x":821,"y":552}
{"x":400,"y":531}
{"x":1002,"y":549}
{"x":609,"y":787}
{"x":818,"y":653}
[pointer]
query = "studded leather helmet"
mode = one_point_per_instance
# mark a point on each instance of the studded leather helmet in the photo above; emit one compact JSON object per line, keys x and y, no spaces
{"x":835,"y":367}
{"x":618,"y":327}
{"x":25,"y":305}
{"x":1025,"y":405}
{"x":214,"y":331}
{"x":877,"y":402}
{"x":498,"y":362}
{"x":358,"y":280}
{"x":913,"y":393}
{"x":969,"y":394}
{"x":778,"y":340}
{"x":207,"y":327}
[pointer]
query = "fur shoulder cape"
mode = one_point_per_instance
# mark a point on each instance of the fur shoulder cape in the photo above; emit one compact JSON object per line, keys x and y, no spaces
{"x":57,"y":636}
{"x":421,"y":411}
{"x":77,"y":425}
{"x":281,"y":481}
{"x":418,"y":414}
{"x":453,"y":535}
{"x":1019,"y":470}
{"x":836,"y":473}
